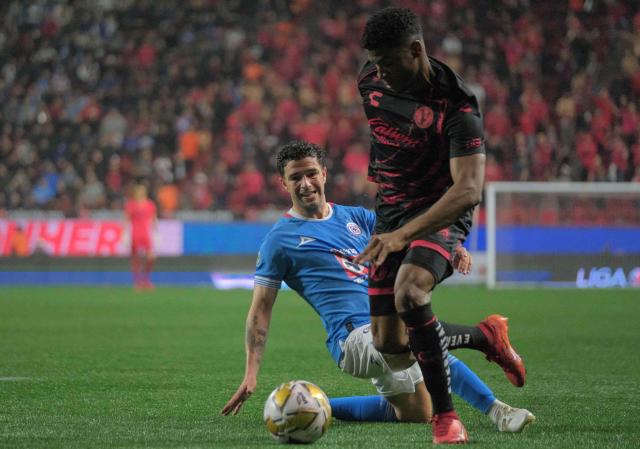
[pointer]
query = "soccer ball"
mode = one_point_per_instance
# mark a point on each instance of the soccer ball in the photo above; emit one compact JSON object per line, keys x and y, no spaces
{"x":297,"y":412}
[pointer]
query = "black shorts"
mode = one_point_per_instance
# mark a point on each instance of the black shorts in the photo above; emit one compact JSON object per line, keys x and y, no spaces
{"x":433,"y":252}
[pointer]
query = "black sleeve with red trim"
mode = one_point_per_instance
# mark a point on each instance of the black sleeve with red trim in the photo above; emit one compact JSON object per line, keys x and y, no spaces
{"x":464,"y":129}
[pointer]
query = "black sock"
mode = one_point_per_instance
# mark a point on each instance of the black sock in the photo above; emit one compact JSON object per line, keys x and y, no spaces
{"x":461,"y":336}
{"x":428,"y":344}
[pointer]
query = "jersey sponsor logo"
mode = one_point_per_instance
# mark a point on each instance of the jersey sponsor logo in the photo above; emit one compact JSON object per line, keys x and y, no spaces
{"x":304,"y":240}
{"x":354,"y":228}
{"x":356,"y":272}
{"x":389,"y":135}
{"x":423,"y":117}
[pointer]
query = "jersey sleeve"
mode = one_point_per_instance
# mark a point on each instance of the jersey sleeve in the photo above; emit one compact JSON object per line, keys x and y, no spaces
{"x":369,"y":220}
{"x":272,"y":264}
{"x":464,"y":129}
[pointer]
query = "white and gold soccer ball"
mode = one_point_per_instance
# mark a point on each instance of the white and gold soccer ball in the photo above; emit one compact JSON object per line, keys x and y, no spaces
{"x":297,"y":412}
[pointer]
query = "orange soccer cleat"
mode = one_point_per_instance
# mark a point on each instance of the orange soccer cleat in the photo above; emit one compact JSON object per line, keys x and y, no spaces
{"x":448,"y":429}
{"x":499,"y":350}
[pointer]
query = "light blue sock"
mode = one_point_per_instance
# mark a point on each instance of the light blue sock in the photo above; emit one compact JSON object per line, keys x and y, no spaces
{"x":362,"y":408}
{"x":466,"y":384}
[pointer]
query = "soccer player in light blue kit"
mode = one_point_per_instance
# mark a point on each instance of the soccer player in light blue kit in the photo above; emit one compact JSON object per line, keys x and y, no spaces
{"x":311,"y":248}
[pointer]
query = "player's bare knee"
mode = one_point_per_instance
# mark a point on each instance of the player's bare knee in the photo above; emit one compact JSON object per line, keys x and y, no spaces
{"x":413,"y":289}
{"x":411,"y":296}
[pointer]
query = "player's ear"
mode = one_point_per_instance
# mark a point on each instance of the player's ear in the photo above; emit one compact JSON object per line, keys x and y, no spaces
{"x":417,"y":48}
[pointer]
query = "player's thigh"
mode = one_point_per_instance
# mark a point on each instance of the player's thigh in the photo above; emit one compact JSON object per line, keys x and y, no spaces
{"x":413,"y":407}
{"x":389,"y":334}
{"x":390,"y":340}
{"x":413,"y":287}
{"x":426,"y":264}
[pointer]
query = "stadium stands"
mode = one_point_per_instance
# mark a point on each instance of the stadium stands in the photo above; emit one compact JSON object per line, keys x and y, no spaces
{"x":193,"y":96}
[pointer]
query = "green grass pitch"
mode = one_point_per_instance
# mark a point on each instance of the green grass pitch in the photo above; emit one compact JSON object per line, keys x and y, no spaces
{"x":110,"y":367}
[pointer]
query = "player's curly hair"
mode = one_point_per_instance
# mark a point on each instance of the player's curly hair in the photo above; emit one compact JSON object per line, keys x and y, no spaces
{"x":296,"y":150}
{"x":389,"y":28}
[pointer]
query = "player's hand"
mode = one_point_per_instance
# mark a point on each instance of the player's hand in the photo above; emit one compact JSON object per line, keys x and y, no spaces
{"x":244,"y":392}
{"x":380,"y":246}
{"x":462,"y":260}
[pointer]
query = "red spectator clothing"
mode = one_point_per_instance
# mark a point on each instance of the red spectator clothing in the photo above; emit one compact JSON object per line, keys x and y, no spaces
{"x":251,"y":182}
{"x":493,"y":171}
{"x":606,"y":106}
{"x":141,"y":214}
{"x":316,"y":132}
{"x":356,"y":161}
{"x":587,"y":150}
{"x":497,"y":123}
{"x":600,"y":125}
{"x":619,"y":154}
{"x":146,"y":55}
{"x":630,"y":121}
{"x":527,"y":123}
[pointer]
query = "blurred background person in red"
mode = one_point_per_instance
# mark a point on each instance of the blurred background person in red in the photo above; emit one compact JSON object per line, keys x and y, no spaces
{"x":141,"y":216}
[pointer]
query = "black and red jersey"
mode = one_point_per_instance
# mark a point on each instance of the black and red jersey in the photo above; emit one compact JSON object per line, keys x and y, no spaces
{"x":413,"y":138}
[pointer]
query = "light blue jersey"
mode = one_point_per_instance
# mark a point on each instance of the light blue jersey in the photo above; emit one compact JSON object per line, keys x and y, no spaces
{"x":313,"y":256}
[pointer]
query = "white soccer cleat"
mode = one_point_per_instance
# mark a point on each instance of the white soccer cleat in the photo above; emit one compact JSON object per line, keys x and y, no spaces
{"x":510,"y":419}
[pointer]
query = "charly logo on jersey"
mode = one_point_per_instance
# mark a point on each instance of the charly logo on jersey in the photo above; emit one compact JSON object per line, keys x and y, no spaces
{"x":354,"y":228}
{"x":304,"y":240}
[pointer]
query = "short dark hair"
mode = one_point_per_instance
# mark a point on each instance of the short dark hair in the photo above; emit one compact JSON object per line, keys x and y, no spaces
{"x":294,"y":151}
{"x":389,"y":28}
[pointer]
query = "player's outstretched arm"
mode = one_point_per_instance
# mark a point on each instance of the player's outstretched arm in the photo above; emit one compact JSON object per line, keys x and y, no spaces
{"x":257,"y":327}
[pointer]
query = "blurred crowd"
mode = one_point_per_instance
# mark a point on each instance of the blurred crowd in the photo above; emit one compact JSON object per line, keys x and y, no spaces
{"x":192,"y":97}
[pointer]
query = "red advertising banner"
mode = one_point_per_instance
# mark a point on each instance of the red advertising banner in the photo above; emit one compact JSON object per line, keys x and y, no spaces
{"x":74,"y":238}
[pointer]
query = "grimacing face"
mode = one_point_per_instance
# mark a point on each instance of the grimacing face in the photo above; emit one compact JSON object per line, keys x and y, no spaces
{"x":398,"y":66}
{"x":304,"y":179}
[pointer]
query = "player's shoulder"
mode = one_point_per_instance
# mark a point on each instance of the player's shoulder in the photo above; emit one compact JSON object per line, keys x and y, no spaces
{"x":449,"y":83}
{"x":358,"y":214}
{"x":349,"y":210}
{"x":368,"y":77}
{"x":280,"y":230}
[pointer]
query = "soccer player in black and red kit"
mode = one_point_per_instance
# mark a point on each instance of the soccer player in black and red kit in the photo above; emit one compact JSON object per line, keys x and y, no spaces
{"x":427,"y":157}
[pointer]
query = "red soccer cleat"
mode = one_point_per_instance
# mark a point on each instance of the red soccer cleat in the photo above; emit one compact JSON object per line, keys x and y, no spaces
{"x":495,"y":328}
{"x":448,"y":429}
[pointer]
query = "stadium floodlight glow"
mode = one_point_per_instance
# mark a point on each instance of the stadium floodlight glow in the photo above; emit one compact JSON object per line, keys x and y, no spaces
{"x":561,"y":234}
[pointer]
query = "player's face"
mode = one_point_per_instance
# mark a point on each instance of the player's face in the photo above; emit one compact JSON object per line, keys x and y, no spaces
{"x":398,"y":66}
{"x":304,"y":180}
